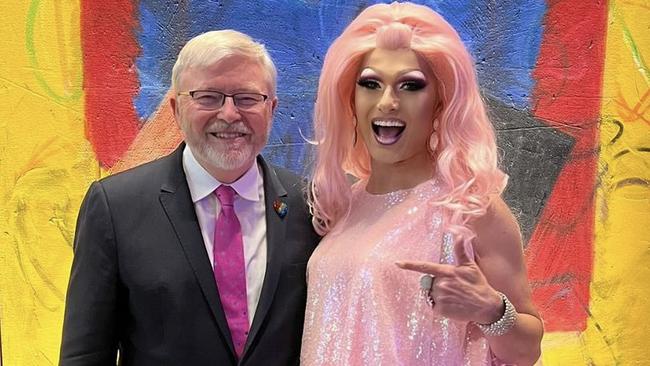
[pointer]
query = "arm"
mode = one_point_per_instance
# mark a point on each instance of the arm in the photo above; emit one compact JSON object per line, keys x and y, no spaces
{"x":499,"y":255}
{"x":468,"y":291}
{"x":89,"y":328}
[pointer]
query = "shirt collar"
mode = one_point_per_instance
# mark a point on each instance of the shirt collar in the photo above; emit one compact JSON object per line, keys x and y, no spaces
{"x":203,"y":184}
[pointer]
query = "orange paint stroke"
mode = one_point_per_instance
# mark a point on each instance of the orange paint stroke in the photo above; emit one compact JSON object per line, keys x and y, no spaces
{"x":158,"y":137}
{"x":38,"y":156}
{"x":629,"y":114}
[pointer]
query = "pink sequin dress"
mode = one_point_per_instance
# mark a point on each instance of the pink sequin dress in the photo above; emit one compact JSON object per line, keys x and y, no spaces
{"x":364,"y":310}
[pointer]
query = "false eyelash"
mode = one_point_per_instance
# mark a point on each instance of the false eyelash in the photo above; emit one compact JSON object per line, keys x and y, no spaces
{"x":368,"y":83}
{"x":415,"y":85}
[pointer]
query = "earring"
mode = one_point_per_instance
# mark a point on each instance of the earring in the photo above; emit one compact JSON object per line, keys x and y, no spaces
{"x":434,"y":139}
{"x":433,"y":142}
{"x":354,"y":140}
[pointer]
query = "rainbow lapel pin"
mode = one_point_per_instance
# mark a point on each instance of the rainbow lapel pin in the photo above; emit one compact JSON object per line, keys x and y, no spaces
{"x":280,"y":208}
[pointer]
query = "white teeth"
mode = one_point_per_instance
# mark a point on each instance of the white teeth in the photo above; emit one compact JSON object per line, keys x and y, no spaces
{"x":388,"y":123}
{"x":227,"y":135}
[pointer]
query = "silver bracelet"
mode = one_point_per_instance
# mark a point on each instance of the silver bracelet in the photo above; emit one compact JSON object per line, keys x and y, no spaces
{"x":504,"y":324}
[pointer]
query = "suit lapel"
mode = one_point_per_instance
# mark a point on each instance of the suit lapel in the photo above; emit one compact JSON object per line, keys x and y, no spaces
{"x":275,"y":235}
{"x":177,"y":203}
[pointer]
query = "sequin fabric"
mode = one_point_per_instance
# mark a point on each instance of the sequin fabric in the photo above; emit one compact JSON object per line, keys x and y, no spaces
{"x":364,"y":310}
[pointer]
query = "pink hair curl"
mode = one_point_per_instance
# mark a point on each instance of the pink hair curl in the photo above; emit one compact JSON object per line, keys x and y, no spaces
{"x":466,"y":152}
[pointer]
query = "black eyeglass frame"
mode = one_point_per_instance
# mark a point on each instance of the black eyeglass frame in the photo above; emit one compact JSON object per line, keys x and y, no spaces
{"x":191,"y":93}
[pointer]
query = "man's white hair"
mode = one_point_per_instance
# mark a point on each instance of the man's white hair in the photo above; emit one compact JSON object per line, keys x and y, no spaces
{"x":209,"y":48}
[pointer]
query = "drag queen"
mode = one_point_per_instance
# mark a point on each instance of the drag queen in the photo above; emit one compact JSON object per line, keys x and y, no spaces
{"x":422,"y":262}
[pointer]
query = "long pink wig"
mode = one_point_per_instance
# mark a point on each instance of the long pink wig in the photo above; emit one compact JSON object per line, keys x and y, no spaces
{"x":465,"y":154}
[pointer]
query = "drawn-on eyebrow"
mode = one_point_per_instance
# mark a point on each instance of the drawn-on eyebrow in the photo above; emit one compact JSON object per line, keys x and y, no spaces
{"x":414,"y":74}
{"x":367,"y":73}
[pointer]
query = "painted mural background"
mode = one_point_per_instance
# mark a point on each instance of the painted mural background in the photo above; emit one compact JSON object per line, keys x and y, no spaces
{"x":84,"y":87}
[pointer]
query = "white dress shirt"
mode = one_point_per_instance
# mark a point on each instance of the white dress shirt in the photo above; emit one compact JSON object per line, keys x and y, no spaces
{"x":250,"y":210}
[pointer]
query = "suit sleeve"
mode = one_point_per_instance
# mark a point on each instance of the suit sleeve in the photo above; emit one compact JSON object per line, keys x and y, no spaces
{"x":90,"y":322}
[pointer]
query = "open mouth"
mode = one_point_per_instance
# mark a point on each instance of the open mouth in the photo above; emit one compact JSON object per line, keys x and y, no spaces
{"x":387,"y":131}
{"x":228,"y":135}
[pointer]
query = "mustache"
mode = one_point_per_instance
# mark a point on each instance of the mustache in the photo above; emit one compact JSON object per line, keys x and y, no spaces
{"x":233,"y":127}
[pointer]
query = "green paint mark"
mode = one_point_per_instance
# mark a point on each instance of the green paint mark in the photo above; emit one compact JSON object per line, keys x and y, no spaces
{"x":636,"y":55}
{"x":33,"y":60}
{"x":631,"y":44}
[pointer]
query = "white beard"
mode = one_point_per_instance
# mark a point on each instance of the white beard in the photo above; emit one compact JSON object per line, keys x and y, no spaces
{"x":218,"y":156}
{"x":228,"y":160}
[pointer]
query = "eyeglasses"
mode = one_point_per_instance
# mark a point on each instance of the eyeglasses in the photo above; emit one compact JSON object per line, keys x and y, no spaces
{"x":212,"y":99}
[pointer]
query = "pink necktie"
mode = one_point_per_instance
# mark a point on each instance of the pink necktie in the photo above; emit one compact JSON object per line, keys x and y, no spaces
{"x":229,"y":268}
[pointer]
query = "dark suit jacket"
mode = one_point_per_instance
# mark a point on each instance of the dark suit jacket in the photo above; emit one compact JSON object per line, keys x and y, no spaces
{"x":142,"y":282}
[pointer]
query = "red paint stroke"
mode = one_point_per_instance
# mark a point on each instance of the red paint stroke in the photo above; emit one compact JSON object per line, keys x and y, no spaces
{"x":567,"y":96}
{"x":109,"y":47}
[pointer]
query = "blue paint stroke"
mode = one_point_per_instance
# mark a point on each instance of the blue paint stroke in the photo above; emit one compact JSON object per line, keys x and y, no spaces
{"x":503,"y":36}
{"x":163,"y":33}
{"x":505,"y":39}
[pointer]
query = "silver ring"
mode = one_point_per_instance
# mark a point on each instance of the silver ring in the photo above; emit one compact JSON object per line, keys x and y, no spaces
{"x":426,"y":282}
{"x":426,"y":285}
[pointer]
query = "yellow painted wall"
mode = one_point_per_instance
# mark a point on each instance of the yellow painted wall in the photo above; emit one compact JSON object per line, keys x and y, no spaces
{"x":620,"y":290}
{"x":46,"y":165}
{"x":618,"y":327}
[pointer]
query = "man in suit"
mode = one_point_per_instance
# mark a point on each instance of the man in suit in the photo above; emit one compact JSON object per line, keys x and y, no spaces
{"x":197,"y":258}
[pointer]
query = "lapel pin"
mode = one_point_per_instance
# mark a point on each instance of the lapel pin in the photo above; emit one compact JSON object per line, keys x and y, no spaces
{"x":281,"y":208}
